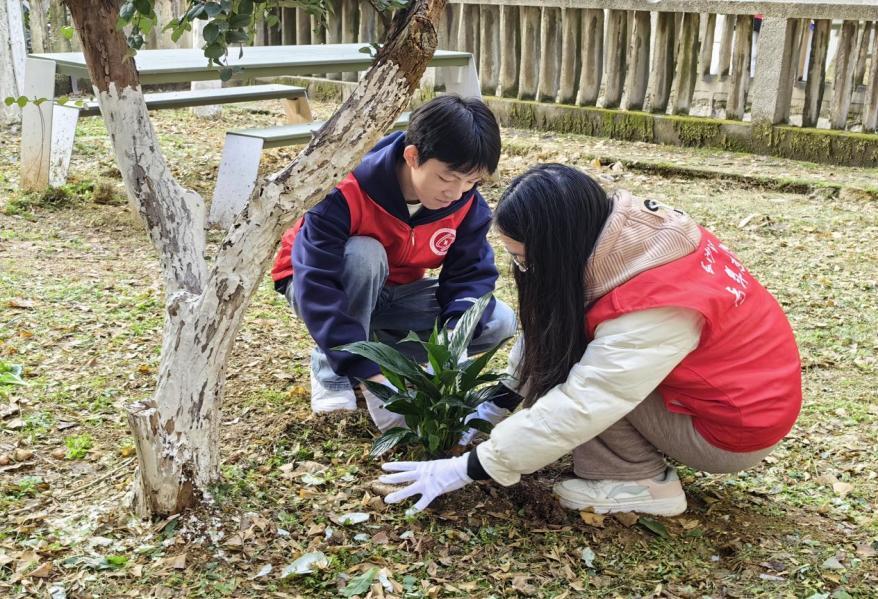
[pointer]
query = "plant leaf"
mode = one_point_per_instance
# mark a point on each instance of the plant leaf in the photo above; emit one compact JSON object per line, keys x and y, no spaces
{"x":380,"y":390}
{"x":473,"y":368}
{"x":462,"y":335}
{"x":389,"y":440}
{"x":359,"y":585}
{"x":480,"y":425}
{"x":655,"y":526}
{"x":391,"y":359}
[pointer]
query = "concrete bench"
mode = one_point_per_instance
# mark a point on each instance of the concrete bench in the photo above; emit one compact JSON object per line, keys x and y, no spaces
{"x":209,"y":97}
{"x":239,"y":165}
{"x":66,"y":116}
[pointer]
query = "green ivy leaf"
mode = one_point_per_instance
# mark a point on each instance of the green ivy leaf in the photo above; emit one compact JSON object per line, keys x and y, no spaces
{"x":127,"y":11}
{"x":214,"y":51}
{"x":9,"y":100}
{"x":211,"y":32}
{"x":63,"y":100}
{"x":67,"y":32}
{"x":21,"y":101}
{"x":144,"y":7}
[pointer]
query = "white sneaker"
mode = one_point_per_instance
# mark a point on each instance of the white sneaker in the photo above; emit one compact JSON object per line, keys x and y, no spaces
{"x":325,"y":400}
{"x":660,"y":496}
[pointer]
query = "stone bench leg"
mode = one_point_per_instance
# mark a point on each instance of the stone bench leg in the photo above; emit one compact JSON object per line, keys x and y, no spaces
{"x":64,"y":119}
{"x":236,"y":178}
{"x":466,"y":84}
{"x":36,"y":124}
{"x":298,"y":110}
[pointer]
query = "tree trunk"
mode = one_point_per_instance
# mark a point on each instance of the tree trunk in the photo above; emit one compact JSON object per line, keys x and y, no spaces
{"x":176,"y":432}
{"x":12,"y":53}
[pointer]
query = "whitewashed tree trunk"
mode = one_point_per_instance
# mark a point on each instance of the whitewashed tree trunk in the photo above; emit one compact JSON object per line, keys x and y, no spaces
{"x":176,"y":432}
{"x":12,"y":53}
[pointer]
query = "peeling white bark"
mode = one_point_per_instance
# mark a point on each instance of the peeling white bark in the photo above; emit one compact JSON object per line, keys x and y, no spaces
{"x":177,"y":432}
{"x":12,"y":54}
{"x":174,"y":216}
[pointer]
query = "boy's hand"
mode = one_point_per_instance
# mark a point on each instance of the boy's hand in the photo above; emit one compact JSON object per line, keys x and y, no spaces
{"x":383,"y":418}
{"x":428,"y":479}
{"x":487,"y":410}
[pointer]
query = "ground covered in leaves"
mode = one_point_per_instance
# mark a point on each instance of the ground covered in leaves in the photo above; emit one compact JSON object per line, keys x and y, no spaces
{"x":297,"y":513}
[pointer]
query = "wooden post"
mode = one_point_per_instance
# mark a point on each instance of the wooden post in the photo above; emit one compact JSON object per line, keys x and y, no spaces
{"x":725,"y":45}
{"x":509,"y":51}
{"x":777,"y":67}
{"x":842,"y":86}
{"x":816,"y":72}
{"x":489,"y":48}
{"x":530,"y":50}
{"x":591,"y":62}
{"x":333,"y":31}
{"x":570,"y":19}
{"x":468,"y":30}
{"x":349,"y":9}
{"x":687,"y":63}
{"x":550,"y":51}
{"x":303,"y":27}
{"x":740,"y":79}
{"x":637,"y":79}
{"x":870,"y":106}
{"x":663,"y":63}
{"x":288,"y":26}
{"x":707,"y":46}
{"x":617,"y":48}
{"x":863,"y":53}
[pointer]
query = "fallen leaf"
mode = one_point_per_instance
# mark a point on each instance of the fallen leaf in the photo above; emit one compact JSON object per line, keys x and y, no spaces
{"x":15,"y":424}
{"x":20,"y":303}
{"x":263,"y":571}
{"x":178,"y":562}
{"x":42,"y":571}
{"x":592,"y":519}
{"x":9,"y":410}
{"x":306,"y":564}
{"x":22,"y":455}
{"x":627,"y":519}
{"x":832,"y":564}
{"x":842,"y":489}
{"x":655,"y":526}
{"x":587,"y":556}
{"x":350,"y":518}
{"x":866,"y":550}
{"x":59,"y":453}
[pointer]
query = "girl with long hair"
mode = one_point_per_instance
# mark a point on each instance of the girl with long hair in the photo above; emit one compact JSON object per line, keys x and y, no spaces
{"x":643,"y":338}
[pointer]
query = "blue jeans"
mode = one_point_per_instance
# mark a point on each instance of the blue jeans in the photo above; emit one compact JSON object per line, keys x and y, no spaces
{"x":391,"y":311}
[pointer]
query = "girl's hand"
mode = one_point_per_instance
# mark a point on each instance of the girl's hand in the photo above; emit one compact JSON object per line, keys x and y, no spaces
{"x":428,"y":479}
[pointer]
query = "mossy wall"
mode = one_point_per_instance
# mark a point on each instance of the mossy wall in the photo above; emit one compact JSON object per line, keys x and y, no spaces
{"x":814,"y":145}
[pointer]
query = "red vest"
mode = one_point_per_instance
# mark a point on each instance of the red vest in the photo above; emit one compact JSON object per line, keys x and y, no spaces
{"x":410,"y":250}
{"x":742,"y":384}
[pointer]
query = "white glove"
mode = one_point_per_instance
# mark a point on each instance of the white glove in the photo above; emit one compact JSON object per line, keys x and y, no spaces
{"x":429,"y":479}
{"x":383,"y":418}
{"x":487,"y":410}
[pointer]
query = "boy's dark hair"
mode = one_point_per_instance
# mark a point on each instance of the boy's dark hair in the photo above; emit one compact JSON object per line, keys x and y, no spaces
{"x":462,"y":132}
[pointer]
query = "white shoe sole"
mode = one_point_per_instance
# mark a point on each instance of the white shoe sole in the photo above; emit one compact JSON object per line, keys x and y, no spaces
{"x":332,"y":406}
{"x":670,"y":506}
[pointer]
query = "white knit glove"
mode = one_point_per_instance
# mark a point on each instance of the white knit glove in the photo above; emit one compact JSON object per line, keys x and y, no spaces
{"x":429,"y":479}
{"x":383,"y":418}
{"x":487,"y":410}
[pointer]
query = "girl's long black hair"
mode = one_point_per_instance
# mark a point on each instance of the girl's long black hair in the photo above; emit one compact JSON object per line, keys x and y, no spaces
{"x":558,"y":213}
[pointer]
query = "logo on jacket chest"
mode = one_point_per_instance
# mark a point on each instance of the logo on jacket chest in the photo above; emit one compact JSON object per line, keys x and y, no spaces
{"x":442,"y":240}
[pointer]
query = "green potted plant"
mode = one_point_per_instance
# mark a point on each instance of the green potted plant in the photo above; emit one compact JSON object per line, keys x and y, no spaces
{"x":436,"y":400}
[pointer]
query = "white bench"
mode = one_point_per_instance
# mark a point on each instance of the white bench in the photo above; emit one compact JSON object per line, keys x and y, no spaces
{"x":239,"y":165}
{"x":66,"y":116}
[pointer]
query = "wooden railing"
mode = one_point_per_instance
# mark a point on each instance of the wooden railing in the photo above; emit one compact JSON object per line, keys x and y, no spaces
{"x":667,"y":56}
